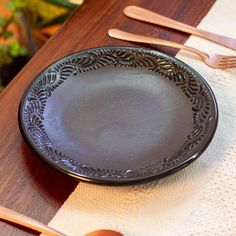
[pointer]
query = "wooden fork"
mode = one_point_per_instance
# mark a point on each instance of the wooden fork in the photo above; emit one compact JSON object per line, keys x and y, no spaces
{"x":212,"y":60}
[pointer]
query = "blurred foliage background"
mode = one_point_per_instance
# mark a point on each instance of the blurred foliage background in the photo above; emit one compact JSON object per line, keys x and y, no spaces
{"x":25,"y":25}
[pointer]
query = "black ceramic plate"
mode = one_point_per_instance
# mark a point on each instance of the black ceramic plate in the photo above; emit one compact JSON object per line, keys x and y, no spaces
{"x":118,"y":115}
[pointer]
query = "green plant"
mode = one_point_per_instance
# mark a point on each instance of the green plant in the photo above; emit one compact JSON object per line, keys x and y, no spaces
{"x":10,"y":49}
{"x":33,"y":21}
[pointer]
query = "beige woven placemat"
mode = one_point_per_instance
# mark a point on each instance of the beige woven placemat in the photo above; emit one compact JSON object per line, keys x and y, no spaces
{"x":198,"y":200}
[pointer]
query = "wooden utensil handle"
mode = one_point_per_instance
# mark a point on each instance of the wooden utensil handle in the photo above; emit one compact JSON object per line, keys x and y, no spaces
{"x":120,"y":34}
{"x":15,"y":217}
{"x":145,"y":15}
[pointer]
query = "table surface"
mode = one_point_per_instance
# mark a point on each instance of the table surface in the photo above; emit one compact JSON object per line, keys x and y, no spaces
{"x":27,"y":184}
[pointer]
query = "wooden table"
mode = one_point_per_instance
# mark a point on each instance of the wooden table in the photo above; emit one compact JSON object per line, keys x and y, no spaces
{"x":27,"y":184}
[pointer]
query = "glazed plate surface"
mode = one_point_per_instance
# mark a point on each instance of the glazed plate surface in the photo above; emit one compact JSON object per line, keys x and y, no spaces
{"x":118,"y":115}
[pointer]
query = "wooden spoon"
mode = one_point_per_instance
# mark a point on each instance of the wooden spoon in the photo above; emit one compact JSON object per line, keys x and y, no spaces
{"x":15,"y":217}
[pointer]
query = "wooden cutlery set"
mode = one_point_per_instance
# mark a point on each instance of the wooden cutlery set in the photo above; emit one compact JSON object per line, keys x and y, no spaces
{"x":212,"y":60}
